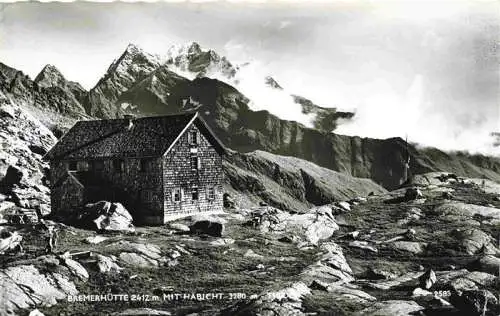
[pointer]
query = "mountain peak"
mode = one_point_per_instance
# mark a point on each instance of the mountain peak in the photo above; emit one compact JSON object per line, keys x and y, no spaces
{"x":50,"y":76}
{"x":192,"y":58}
{"x":134,"y":56}
{"x":187,"y":49}
{"x":194,"y":48}
{"x":133,"y":49}
{"x":272,"y":83}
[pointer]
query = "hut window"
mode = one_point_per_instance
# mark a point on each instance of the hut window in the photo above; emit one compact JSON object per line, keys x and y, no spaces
{"x":72,"y":166}
{"x":194,"y":194}
{"x":211,"y":193}
{"x":83,"y":166}
{"x":195,"y":162}
{"x":147,"y":195}
{"x":193,"y":137}
{"x":118,"y":165}
{"x":176,"y":195}
{"x":146,"y":165}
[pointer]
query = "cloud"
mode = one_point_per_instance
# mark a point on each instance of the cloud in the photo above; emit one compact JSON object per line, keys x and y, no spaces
{"x":278,"y":102}
{"x":384,"y":113}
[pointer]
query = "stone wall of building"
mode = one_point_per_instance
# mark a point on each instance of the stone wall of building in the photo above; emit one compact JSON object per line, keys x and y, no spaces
{"x":136,"y":183}
{"x":68,"y":196}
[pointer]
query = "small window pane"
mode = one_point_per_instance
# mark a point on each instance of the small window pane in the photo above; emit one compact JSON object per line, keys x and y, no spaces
{"x":176,"y":195}
{"x":83,"y":166}
{"x":98,"y":165}
{"x":118,"y":165}
{"x":193,"y":137}
{"x":144,"y":165}
{"x":194,"y":194}
{"x":194,"y":162}
{"x":211,"y":193}
{"x":147,"y":196}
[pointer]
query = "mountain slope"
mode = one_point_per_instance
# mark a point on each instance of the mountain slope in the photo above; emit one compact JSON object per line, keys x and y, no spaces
{"x":50,"y":90}
{"x":290,"y":183}
{"x":55,"y":101}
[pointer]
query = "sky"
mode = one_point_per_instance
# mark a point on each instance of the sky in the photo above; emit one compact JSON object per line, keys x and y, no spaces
{"x":424,"y":69}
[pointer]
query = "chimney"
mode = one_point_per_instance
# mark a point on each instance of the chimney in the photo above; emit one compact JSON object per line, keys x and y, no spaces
{"x":129,"y":121}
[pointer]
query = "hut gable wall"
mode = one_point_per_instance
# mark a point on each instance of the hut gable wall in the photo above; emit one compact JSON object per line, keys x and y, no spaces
{"x":178,"y":173}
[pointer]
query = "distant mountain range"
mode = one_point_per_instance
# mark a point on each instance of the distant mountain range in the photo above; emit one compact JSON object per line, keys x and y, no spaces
{"x":190,"y":78}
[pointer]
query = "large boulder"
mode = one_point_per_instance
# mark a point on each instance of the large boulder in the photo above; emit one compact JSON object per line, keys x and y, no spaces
{"x":138,"y":254}
{"x":74,"y":267}
{"x":25,"y":286}
{"x":210,"y":227}
{"x":463,"y":280}
{"x":330,"y":267}
{"x":311,"y":227}
{"x":179,"y":227}
{"x":105,"y":216}
{"x":456,"y":210}
{"x":412,"y":247}
{"x":136,"y":260}
{"x":393,"y":308}
{"x":475,"y":302}
{"x":427,"y":279}
{"x":94,"y":240}
{"x":487,"y":263}
{"x":347,"y":293}
{"x":472,"y":241}
{"x":10,"y":241}
{"x":409,"y":279}
{"x":13,"y":177}
{"x":107,"y":264}
{"x":114,"y":217}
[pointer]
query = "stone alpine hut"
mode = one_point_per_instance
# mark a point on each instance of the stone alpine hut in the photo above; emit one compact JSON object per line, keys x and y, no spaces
{"x":158,"y":167}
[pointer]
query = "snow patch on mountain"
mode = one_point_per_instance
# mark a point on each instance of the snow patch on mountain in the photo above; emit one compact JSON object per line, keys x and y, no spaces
{"x":192,"y":61}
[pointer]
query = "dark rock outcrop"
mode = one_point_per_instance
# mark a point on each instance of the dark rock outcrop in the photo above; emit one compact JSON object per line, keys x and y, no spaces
{"x":209,"y":227}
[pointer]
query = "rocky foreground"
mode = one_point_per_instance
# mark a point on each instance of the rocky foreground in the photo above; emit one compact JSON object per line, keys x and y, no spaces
{"x":426,"y":251}
{"x":295,"y":239}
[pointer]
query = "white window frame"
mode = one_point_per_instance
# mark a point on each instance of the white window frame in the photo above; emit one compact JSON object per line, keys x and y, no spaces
{"x":198,"y":162}
{"x":195,"y":141}
{"x":83,"y":166}
{"x":179,"y":192}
